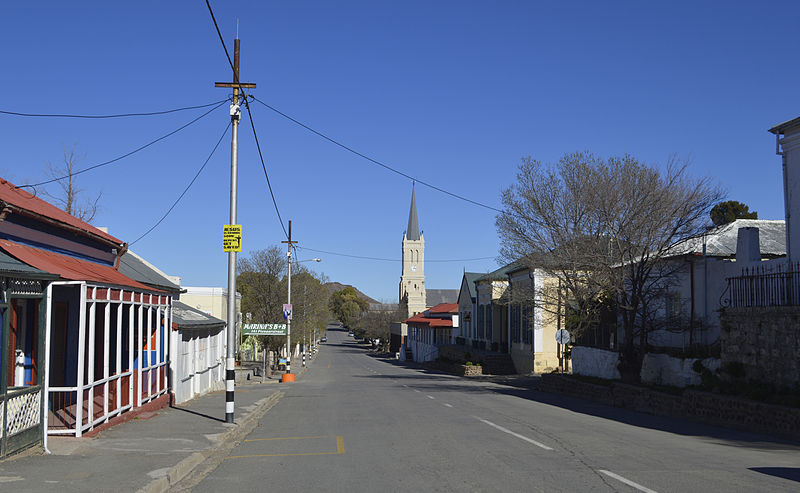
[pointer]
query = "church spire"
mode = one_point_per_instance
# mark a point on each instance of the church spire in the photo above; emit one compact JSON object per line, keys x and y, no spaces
{"x":412,"y":233}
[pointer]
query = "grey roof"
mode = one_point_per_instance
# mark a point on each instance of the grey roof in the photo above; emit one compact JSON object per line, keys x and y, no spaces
{"x":186,"y":317}
{"x":782,"y":127}
{"x":502,"y":273}
{"x":470,"y":278}
{"x":412,"y":233}
{"x":435,"y":297}
{"x":13,"y":267}
{"x":138,"y":269}
{"x":721,"y":241}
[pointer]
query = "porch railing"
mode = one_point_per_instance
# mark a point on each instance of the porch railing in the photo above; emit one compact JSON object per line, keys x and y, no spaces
{"x":765,"y":286}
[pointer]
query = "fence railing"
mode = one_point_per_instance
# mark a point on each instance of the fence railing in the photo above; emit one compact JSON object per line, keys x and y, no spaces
{"x":765,"y":286}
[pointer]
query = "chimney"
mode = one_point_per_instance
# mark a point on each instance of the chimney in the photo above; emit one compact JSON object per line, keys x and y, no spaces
{"x":747,"y":246}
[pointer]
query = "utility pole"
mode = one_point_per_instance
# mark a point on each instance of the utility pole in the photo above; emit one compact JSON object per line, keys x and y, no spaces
{"x":289,"y":244}
{"x":230,"y":354}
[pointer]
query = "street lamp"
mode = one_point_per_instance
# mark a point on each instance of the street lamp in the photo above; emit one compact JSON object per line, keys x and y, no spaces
{"x":289,"y":302}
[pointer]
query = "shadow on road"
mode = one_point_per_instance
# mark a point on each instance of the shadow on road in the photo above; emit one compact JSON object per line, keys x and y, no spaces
{"x":790,"y":473}
{"x":526,"y":387}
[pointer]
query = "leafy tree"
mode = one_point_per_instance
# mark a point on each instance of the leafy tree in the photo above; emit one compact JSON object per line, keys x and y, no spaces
{"x":729,"y":211}
{"x":346,"y":306}
{"x":601,"y":228}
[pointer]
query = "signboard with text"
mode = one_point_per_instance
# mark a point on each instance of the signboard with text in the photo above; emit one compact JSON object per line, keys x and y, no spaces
{"x":232,"y":238}
{"x":264,"y":329}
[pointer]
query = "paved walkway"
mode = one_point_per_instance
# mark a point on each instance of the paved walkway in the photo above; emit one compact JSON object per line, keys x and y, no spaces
{"x":148,"y":453}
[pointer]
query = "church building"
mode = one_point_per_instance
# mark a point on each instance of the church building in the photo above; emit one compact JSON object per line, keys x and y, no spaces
{"x":412,"y":280}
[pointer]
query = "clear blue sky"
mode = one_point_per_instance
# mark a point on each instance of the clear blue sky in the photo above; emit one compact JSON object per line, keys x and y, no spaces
{"x":454,"y":93}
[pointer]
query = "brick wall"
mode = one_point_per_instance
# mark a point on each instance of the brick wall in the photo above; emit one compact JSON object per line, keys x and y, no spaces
{"x":765,"y":340}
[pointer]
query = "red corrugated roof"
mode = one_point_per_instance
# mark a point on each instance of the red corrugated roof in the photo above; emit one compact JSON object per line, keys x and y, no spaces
{"x":25,"y":200}
{"x":445,"y":308}
{"x":419,"y":319}
{"x":70,"y":268}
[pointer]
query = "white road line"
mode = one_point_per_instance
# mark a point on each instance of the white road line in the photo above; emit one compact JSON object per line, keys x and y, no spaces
{"x":626,"y":481}
{"x":417,"y":390}
{"x":506,"y":430}
{"x":430,"y":397}
{"x":448,"y":405}
{"x":404,"y":385}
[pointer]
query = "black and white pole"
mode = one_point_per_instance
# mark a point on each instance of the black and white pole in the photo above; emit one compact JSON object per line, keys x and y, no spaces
{"x":304,"y":358}
{"x":235,"y":113}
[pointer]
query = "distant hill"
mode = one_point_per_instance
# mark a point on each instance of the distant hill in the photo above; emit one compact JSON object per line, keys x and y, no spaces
{"x":337,"y":286}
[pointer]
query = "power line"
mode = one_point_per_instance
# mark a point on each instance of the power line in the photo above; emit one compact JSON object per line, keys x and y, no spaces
{"x":126,"y":154}
{"x":119,"y":115}
{"x":249,"y":114}
{"x":375,"y":161}
{"x":391,"y":259}
{"x":187,"y":187}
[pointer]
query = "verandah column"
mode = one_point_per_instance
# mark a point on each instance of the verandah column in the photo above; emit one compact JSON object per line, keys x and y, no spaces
{"x":81,"y":358}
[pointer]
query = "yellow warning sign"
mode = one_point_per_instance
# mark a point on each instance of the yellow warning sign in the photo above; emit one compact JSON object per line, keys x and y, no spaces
{"x":232,"y":238}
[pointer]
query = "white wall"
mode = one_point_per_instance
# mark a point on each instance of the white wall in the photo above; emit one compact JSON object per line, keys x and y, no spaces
{"x":790,"y":145}
{"x":198,"y":362}
{"x":593,"y":362}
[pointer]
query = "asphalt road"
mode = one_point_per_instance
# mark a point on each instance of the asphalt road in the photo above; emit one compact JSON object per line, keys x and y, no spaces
{"x":358,"y":423}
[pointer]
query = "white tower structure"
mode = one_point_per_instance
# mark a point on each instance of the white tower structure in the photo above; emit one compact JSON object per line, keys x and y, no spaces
{"x":412,"y":279}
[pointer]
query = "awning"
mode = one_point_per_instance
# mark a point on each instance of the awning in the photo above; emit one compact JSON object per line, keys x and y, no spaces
{"x":70,"y":268}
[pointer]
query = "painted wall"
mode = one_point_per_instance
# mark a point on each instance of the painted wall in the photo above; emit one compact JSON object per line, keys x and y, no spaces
{"x":593,"y":362}
{"x":790,"y":145}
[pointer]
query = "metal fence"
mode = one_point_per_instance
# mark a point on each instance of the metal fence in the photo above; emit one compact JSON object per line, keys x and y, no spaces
{"x":766,"y":286}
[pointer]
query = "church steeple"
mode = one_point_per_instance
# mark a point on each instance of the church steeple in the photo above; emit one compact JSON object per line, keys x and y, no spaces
{"x":412,"y":233}
{"x":412,"y":280}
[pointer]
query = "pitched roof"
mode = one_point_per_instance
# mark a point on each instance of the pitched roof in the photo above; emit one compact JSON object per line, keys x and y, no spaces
{"x":186,"y":317}
{"x":721,"y":241}
{"x":438,"y":296}
{"x":419,"y":319}
{"x":412,"y":232}
{"x":140,"y":270}
{"x":782,"y":127}
{"x":502,"y":273}
{"x":13,"y":267}
{"x":23,"y":199}
{"x":470,"y":278}
{"x":71,"y":268}
{"x":444,"y":308}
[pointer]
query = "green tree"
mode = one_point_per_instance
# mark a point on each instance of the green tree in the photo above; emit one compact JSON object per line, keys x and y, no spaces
{"x":346,"y":306}
{"x":729,"y":211}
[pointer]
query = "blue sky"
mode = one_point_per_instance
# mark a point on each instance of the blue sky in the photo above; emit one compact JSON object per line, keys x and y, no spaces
{"x":454,"y":93}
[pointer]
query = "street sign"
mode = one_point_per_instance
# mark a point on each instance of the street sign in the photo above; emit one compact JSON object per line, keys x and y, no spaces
{"x":562,"y":336}
{"x":232,"y":238}
{"x":264,"y":329}
{"x":287,"y":311}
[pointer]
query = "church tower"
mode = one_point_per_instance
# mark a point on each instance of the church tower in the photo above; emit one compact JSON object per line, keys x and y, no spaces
{"x":412,"y":280}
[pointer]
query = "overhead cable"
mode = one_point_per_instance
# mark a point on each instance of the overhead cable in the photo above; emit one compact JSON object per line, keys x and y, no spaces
{"x":392,"y":259}
{"x":106,"y":163}
{"x":187,"y":187}
{"x":119,"y":115}
{"x":379,"y":163}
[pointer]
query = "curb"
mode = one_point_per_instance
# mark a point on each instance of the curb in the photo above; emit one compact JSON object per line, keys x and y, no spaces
{"x":213,"y":456}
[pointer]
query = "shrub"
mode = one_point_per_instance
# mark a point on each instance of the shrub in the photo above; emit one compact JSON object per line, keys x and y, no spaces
{"x":468,"y":363}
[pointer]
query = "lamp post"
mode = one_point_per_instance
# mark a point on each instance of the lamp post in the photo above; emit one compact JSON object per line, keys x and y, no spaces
{"x":289,"y":302}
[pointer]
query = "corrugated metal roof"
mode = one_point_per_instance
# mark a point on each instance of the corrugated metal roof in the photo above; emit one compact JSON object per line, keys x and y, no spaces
{"x":782,"y":127}
{"x":721,"y":241}
{"x":25,"y":200}
{"x":470,"y":278}
{"x":185,"y":317}
{"x":502,"y":273}
{"x":69,"y":267}
{"x":11,"y":266}
{"x":138,"y":269}
{"x":444,"y":308}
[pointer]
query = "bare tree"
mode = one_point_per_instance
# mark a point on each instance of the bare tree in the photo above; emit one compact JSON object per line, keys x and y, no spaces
{"x":69,"y":196}
{"x":602,"y":228}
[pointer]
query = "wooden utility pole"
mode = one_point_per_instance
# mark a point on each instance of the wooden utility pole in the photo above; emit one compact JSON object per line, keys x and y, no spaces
{"x":230,"y":354}
{"x":289,"y":301}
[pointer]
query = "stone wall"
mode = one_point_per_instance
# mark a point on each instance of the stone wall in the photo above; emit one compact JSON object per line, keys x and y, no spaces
{"x":704,"y":407}
{"x":662,"y":369}
{"x":765,"y":340}
{"x":593,"y":362}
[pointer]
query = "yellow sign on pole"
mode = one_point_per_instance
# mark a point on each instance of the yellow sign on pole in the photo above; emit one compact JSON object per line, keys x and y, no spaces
{"x":232,"y":238}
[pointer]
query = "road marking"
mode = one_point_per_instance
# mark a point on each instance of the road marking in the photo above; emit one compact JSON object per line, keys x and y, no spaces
{"x":417,"y":390}
{"x":431,"y":397}
{"x":404,"y":385}
{"x":626,"y":481}
{"x":506,"y":430}
{"x":448,"y":405}
{"x":339,"y":445}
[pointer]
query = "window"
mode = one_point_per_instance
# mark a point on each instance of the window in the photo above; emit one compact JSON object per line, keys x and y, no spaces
{"x":515,"y":322}
{"x":489,"y":322}
{"x":481,"y":322}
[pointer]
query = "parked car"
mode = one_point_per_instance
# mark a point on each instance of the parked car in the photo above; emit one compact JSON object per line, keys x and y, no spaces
{"x":324,"y":339}
{"x":350,"y":333}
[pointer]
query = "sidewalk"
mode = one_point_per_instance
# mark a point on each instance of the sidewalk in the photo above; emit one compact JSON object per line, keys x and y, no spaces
{"x":151,"y":452}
